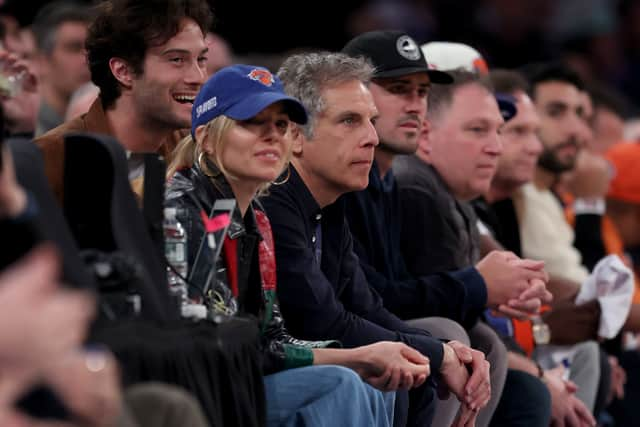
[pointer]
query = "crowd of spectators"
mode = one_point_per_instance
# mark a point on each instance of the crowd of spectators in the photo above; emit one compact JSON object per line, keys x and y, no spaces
{"x":378,"y":228}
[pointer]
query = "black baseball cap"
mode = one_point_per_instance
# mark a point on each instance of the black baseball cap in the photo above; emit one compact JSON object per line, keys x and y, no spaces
{"x":393,"y":53}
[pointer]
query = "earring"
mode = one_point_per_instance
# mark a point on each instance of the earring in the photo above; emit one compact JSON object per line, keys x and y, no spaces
{"x":205,"y":168}
{"x":286,"y":178}
{"x":200,"y":163}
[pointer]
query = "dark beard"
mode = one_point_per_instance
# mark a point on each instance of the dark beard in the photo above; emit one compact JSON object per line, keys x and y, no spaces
{"x":394,"y":149}
{"x":549,"y":161}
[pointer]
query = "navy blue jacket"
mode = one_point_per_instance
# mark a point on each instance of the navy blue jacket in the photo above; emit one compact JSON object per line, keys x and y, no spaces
{"x":375,"y":221}
{"x":331,"y":299}
{"x":439,"y":232}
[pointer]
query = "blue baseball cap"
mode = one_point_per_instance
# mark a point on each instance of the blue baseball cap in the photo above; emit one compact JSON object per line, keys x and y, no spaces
{"x":507,"y":105}
{"x":241,"y":92}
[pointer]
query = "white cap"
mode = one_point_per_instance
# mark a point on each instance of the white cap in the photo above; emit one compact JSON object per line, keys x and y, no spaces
{"x":446,"y":56}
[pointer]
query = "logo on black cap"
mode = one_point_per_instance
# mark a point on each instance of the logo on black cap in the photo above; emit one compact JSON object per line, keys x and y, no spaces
{"x":408,"y":48}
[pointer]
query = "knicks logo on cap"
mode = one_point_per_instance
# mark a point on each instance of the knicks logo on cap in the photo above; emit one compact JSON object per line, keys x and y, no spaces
{"x":262,"y":76}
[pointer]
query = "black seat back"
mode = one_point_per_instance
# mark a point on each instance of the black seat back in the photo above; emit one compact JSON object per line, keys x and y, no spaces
{"x":153,"y":207}
{"x":49,"y":220}
{"x":103,"y":213}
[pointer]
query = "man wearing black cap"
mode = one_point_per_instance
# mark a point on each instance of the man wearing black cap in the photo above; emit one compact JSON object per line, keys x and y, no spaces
{"x":394,"y":54}
{"x":400,"y":87}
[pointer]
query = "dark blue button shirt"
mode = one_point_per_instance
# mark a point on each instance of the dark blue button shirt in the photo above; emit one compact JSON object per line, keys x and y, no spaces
{"x":331,"y":299}
{"x":375,"y":221}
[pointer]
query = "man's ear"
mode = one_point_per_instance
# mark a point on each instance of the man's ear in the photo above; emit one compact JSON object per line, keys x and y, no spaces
{"x":298,"y":139}
{"x":121,"y":71}
{"x":425,"y":136}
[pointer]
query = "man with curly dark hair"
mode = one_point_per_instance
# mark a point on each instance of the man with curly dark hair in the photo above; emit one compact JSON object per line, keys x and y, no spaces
{"x":148,"y":59}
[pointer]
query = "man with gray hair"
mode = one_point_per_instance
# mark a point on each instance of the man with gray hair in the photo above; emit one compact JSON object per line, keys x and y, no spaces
{"x":322,"y":289}
{"x":60,"y":30}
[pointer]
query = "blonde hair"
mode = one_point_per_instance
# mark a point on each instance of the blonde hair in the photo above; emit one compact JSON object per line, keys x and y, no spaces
{"x":190,"y":150}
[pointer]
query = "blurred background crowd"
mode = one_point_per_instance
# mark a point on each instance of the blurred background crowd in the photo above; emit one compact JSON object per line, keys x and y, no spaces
{"x":599,"y":38}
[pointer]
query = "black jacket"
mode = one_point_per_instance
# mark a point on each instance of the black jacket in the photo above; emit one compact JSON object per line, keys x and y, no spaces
{"x":375,"y":220}
{"x":330,"y":298}
{"x":192,"y":192}
{"x":448,"y":236}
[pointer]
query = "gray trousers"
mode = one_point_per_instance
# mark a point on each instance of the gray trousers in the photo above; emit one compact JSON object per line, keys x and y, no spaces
{"x":584,"y":370}
{"x":480,"y":337}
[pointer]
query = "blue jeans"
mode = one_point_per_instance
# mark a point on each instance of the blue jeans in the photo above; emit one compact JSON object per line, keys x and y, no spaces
{"x":325,"y":395}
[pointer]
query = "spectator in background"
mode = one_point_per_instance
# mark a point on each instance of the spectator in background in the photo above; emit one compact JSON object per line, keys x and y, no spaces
{"x":632,"y":130}
{"x":20,"y":98}
{"x":623,"y":209}
{"x":81,"y":100}
{"x":22,"y":43}
{"x":516,"y":167}
{"x":610,"y":109}
{"x":557,"y":93}
{"x":583,"y":188}
{"x":219,"y":54}
{"x":60,"y":30}
{"x":17,"y":36}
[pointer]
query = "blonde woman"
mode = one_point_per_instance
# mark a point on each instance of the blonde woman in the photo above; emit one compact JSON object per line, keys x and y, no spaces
{"x":240,"y":144}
